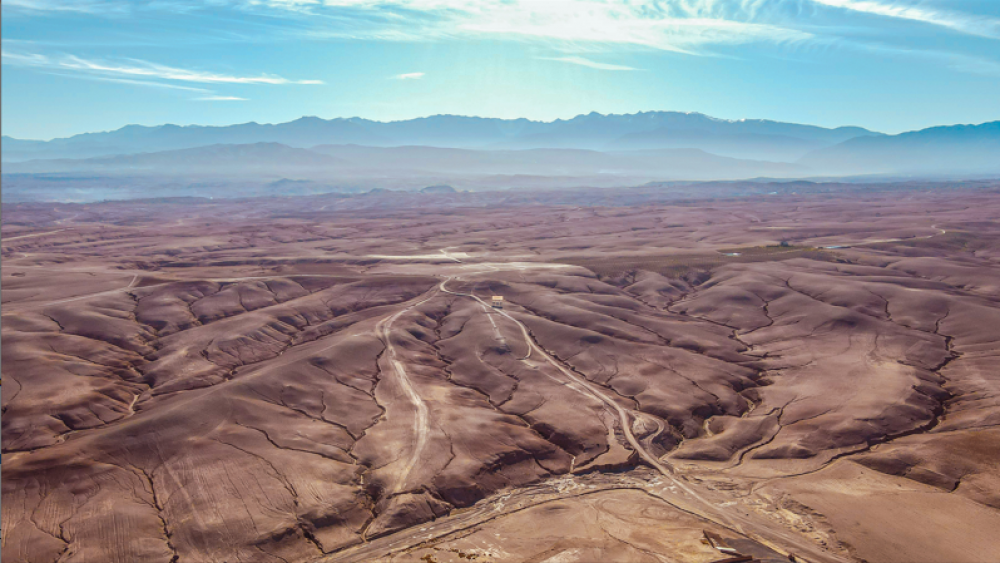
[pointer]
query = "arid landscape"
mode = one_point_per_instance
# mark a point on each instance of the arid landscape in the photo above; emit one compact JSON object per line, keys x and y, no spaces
{"x":715,"y":372}
{"x":500,"y":281}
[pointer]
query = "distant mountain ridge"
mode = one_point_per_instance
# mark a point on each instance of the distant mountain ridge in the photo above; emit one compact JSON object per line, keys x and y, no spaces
{"x":593,"y":148}
{"x":955,"y":149}
{"x":591,"y":131}
{"x":355,"y":161}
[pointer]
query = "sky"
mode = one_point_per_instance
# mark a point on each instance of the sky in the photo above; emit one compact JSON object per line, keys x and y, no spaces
{"x":76,"y":66}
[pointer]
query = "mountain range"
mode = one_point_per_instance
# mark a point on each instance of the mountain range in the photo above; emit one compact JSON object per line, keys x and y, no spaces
{"x":755,"y":139}
{"x":486,"y":153}
{"x":955,"y":150}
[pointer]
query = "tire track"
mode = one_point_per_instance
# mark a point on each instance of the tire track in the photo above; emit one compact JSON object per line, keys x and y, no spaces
{"x":586,"y":387}
{"x":703,"y":507}
{"x":421,"y":422}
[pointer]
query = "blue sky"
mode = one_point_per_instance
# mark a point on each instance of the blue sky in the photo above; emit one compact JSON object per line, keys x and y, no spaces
{"x":73,"y":66}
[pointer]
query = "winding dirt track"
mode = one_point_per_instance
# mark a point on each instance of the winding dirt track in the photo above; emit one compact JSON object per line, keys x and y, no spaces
{"x":775,"y":538}
{"x":421,"y":422}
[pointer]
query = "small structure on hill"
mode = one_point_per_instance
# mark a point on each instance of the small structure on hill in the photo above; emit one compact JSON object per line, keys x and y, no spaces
{"x":498,"y":301}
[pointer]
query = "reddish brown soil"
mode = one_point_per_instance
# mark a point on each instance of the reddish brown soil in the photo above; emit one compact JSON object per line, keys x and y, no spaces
{"x":322,"y":378}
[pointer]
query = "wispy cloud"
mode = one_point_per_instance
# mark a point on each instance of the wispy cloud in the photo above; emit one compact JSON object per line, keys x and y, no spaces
{"x":409,"y":76}
{"x":956,"y":61}
{"x":686,"y":26}
{"x":588,"y":63}
{"x":980,"y":25}
{"x":138,"y":68}
{"x":574,"y":27}
{"x":675,"y":25}
{"x":142,"y":83}
{"x":82,"y":6}
{"x":162,"y":72}
{"x":221,"y":99}
{"x":140,"y":73}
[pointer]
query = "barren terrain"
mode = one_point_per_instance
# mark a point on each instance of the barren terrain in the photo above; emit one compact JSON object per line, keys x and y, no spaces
{"x":808,"y":374}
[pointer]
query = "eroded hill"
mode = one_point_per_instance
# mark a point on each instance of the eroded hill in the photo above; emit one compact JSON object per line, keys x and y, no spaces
{"x":326,"y":379}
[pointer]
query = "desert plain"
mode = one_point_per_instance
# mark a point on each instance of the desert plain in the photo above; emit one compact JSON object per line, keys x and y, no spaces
{"x":768,"y":372}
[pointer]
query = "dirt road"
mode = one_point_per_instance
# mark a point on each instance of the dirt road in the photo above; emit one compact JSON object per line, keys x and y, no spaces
{"x":421,"y":422}
{"x":715,"y":511}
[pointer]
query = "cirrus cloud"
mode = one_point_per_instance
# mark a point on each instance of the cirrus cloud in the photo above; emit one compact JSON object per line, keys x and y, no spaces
{"x":142,"y":73}
{"x":980,"y":25}
{"x":152,"y":70}
{"x":588,"y":63}
{"x":139,"y":69}
{"x":221,"y":99}
{"x":685,"y":26}
{"x":573,"y":27}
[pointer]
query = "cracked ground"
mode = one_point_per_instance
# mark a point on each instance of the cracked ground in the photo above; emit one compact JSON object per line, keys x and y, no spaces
{"x":323,"y":378}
